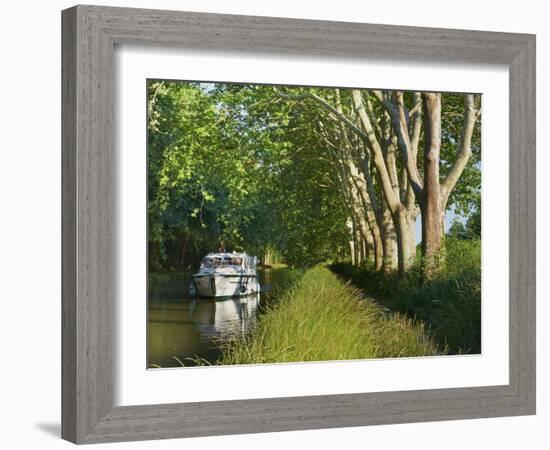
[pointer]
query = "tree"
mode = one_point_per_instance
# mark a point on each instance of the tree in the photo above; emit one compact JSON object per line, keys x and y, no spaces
{"x":308,"y":174}
{"x":431,"y":193}
{"x":379,"y":146}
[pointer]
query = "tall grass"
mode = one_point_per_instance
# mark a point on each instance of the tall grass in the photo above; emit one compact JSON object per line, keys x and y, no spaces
{"x":320,"y":318}
{"x":450,"y":304}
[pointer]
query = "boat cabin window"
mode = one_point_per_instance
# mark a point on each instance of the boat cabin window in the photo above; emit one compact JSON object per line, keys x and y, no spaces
{"x":221,"y":261}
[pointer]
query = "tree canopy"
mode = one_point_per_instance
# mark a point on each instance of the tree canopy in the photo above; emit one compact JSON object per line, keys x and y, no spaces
{"x":290,"y":173}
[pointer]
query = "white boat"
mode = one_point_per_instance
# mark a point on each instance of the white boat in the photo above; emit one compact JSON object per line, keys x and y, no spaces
{"x":226,"y":275}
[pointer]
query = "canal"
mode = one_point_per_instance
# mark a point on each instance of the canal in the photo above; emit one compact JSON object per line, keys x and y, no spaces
{"x":181,"y":328}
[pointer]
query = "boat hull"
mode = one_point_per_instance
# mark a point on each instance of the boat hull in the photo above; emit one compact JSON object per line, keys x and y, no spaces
{"x":211,"y":286}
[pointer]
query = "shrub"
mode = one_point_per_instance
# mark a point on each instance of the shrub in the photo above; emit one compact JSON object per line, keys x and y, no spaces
{"x":450,"y":304}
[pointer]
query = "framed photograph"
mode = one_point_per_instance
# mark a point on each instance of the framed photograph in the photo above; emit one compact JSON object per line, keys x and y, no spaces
{"x":268,"y":222}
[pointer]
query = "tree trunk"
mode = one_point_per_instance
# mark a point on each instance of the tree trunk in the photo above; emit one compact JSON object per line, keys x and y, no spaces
{"x":368,"y":202}
{"x":358,"y":239}
{"x":364,"y":251}
{"x":370,"y":251}
{"x":412,"y":234}
{"x":352,"y":251}
{"x":267,"y":257}
{"x":378,"y":248}
{"x":405,"y":240}
{"x":388,"y":181}
{"x":432,"y":213}
{"x":389,"y":241}
{"x":362,"y":227}
{"x":408,"y":199}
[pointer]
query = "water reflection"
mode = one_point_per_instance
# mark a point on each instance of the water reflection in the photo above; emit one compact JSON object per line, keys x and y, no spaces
{"x":224,"y":318}
{"x":185,"y":328}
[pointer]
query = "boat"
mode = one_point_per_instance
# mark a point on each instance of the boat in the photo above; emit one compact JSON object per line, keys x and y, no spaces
{"x":225,"y":274}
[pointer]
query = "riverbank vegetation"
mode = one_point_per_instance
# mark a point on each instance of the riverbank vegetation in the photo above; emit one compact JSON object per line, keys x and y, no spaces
{"x":320,"y":318}
{"x":450,"y":305}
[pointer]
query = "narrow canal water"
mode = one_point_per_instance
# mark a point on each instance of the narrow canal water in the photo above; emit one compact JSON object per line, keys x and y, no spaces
{"x":180,"y":327}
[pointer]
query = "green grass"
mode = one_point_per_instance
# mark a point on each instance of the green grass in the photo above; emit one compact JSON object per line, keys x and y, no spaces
{"x":450,"y":304}
{"x":320,"y":318}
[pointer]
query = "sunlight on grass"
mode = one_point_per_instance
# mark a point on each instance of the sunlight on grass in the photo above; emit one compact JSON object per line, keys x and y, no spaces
{"x":322,"y":319}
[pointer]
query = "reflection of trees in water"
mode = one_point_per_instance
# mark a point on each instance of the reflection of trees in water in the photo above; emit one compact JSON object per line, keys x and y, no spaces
{"x":188,"y":327}
{"x":217,"y":318}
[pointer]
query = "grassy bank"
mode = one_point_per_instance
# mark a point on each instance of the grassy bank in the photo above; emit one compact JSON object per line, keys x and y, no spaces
{"x":450,"y":305}
{"x":321,"y":318}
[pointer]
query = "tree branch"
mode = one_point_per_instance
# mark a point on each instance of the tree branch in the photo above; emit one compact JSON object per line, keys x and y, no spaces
{"x":409,"y":158}
{"x":378,"y":156}
{"x":464,"y":150}
{"x":397,"y":113}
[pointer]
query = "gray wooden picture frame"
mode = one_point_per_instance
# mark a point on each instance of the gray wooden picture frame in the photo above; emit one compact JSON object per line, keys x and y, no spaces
{"x":90,"y":34}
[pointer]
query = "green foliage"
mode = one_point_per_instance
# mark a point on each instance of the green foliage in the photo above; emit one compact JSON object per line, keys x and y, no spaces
{"x":244,"y":167}
{"x":457,"y":229}
{"x":322,"y":319}
{"x":466,"y":196}
{"x":473,"y":225}
{"x":469,"y":230}
{"x":450,"y":305}
{"x":232,"y":166}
